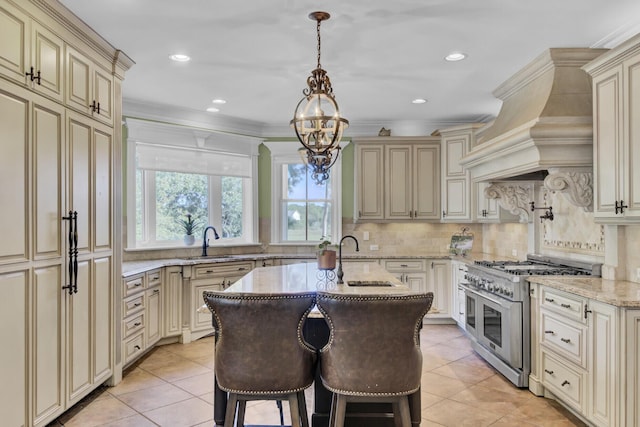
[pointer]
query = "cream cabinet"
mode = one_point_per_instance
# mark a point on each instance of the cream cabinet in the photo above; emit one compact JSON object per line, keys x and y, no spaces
{"x":577,"y":356}
{"x":458,"y":305}
{"x":487,"y":209}
{"x":153,"y":307}
{"x":397,"y":178}
{"x":30,"y":54}
{"x":439,"y":282}
{"x":53,"y":167}
{"x":411,"y":272}
{"x":456,"y":179}
{"x":210,"y":277}
{"x":172,"y":308}
{"x":616,"y":133}
{"x":89,"y":86}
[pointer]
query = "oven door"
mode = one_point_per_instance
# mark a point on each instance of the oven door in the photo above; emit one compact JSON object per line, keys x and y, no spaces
{"x":470,"y":311}
{"x":499,"y":326}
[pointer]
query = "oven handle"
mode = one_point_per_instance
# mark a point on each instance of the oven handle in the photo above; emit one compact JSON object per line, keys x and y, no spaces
{"x":484,"y":295}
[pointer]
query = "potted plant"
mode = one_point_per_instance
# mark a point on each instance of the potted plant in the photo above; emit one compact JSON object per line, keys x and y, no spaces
{"x":326,"y":257}
{"x":189,"y":226}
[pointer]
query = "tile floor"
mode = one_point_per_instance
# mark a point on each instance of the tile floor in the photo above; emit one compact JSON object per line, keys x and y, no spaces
{"x":173,"y":386}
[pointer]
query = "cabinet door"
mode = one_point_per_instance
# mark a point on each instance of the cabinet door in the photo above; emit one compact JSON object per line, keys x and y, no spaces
{"x":88,"y":87}
{"x":631,"y":150}
{"x":456,"y":194}
{"x":439,"y":283}
{"x":202,"y":319}
{"x":416,"y":281}
{"x":153,"y":319}
{"x":172,"y":292}
{"x":607,"y":139}
{"x":102,"y":321}
{"x":14,"y":39}
{"x":14,"y":305}
{"x":603,"y":366}
{"x":369,"y":179}
{"x":46,"y":57}
{"x":398,"y":182}
{"x":426,"y":172}
{"x":79,"y":342}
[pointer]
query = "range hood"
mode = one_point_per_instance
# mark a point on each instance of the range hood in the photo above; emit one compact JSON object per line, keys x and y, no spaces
{"x":545,"y":121}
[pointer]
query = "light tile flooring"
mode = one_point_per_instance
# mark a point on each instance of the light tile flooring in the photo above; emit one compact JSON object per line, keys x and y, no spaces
{"x":173,"y":386}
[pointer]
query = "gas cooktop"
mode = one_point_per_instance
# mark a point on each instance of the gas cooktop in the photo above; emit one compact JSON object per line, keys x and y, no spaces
{"x":537,"y":265}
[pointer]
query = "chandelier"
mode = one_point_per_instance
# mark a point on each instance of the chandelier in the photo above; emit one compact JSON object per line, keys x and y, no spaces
{"x":317,"y":120}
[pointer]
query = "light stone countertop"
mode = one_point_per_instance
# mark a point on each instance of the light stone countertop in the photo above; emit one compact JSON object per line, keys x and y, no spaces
{"x":131,"y":268}
{"x":619,"y":293}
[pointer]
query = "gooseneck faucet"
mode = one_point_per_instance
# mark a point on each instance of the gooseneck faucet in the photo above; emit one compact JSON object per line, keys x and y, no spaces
{"x":205,"y":241}
{"x":340,"y":273}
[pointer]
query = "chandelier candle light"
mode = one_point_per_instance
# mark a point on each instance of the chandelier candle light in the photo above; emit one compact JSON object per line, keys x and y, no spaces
{"x":317,"y":120}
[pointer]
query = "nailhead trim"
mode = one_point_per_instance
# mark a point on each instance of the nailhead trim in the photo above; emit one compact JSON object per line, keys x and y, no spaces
{"x":359,"y":393}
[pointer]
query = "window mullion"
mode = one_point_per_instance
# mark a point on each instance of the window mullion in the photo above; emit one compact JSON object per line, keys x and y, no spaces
{"x":150,"y":203}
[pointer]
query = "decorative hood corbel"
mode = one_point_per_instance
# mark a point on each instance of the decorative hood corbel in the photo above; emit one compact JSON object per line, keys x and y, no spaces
{"x":575,"y":184}
{"x":513,"y":196}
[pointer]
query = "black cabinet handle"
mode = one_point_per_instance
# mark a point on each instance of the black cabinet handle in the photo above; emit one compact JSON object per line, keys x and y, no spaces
{"x":34,"y":76}
{"x":72,"y":287}
{"x":69,"y":218}
{"x":548,"y":372}
{"x":95,"y":107}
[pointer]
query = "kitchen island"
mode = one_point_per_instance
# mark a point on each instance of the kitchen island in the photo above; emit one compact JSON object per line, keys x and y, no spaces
{"x":304,"y":278}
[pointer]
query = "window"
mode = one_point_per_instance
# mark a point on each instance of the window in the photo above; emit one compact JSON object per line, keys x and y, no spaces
{"x":302,"y":211}
{"x":215,"y":188}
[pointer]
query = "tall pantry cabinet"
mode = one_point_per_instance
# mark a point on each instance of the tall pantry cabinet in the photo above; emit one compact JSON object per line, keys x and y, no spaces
{"x":60,"y":249}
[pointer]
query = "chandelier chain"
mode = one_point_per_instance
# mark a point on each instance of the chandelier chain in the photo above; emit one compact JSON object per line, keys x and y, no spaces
{"x":318,"y":36}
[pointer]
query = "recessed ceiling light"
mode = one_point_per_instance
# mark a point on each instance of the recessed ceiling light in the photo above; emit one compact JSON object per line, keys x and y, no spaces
{"x":219,"y":101}
{"x":419,"y":101}
{"x":178,"y":57}
{"x":455,"y":56}
{"x":212,"y":110}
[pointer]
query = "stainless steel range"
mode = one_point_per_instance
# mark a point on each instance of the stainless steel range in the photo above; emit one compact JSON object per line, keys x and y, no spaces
{"x":497,"y":310}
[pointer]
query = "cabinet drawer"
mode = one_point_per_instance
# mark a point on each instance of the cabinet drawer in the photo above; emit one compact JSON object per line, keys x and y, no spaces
{"x":133,"y":347}
{"x":566,"y":338}
{"x":154,"y":277}
{"x":221,"y":270}
{"x":132,"y":325}
{"x":404,"y":265}
{"x":132,"y":304}
{"x":567,"y":383}
{"x":568,"y":305}
{"x":133,"y":285}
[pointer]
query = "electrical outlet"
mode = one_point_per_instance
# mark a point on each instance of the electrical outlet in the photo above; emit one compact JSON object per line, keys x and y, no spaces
{"x":514,"y":252}
{"x":365,"y":235}
{"x":374,"y":247}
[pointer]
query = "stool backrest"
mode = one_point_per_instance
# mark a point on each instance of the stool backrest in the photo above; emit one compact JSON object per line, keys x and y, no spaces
{"x":259,"y":344}
{"x":373,"y":348}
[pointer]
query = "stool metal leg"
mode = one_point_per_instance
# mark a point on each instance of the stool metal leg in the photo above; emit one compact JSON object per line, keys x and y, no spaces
{"x":302,"y":409}
{"x":230,"y":415}
{"x":279,"y":405}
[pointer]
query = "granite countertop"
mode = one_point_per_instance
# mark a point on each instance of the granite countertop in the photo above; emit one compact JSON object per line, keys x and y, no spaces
{"x":619,"y":293}
{"x":130,"y":268}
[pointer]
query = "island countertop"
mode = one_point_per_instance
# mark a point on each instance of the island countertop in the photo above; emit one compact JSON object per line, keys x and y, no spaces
{"x":306,"y":277}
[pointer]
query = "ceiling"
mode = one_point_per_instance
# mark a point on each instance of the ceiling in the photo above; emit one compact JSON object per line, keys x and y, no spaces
{"x":379,"y":54}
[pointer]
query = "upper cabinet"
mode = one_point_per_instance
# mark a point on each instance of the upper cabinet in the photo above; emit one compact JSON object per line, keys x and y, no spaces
{"x":397,"y":178}
{"x":30,"y":54}
{"x":456,"y":181}
{"x":616,"y":133}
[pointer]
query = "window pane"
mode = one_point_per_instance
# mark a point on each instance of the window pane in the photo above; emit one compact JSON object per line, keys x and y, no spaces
{"x":232,"y":198}
{"x":139,"y":207}
{"x":296,"y":181}
{"x":319,"y":220}
{"x":296,"y":221}
{"x":178,"y":194}
{"x":318,"y":191}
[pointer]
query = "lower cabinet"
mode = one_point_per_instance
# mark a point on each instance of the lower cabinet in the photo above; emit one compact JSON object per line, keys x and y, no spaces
{"x":411,"y":272}
{"x":172,"y":304}
{"x":458,"y":306}
{"x":588,"y":356}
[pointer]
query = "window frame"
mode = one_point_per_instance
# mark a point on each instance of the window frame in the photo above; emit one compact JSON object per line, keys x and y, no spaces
{"x":286,"y":152}
{"x":195,"y":139}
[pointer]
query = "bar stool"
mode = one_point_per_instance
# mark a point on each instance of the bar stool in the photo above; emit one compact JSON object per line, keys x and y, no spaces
{"x":373,"y":353}
{"x":260,"y":353}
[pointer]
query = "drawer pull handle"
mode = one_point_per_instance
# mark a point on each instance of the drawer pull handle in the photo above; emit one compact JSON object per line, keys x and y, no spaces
{"x":137,"y":347}
{"x":137,"y":324}
{"x":564,"y":383}
{"x":549,"y":299}
{"x":566,"y":340}
{"x":549,"y":332}
{"x":404,"y":265}
{"x":137,"y":304}
{"x":565,"y":305}
{"x":157,"y":291}
{"x":209,"y":271}
{"x":548,"y":372}
{"x":242,"y":268}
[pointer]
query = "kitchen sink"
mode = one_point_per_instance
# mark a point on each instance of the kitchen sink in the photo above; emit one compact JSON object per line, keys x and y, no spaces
{"x":369,"y":283}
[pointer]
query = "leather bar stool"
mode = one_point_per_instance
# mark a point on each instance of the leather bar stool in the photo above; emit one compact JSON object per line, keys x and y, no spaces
{"x":260,"y":353}
{"x":373,"y":353}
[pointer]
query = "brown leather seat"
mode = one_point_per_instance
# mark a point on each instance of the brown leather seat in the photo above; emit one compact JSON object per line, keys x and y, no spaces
{"x":260,"y":353}
{"x":373,"y":353}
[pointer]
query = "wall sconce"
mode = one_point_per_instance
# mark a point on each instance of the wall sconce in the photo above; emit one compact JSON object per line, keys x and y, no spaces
{"x":548,"y":213}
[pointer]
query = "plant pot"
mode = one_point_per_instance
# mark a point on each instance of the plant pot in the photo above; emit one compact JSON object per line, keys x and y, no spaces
{"x":327,"y":260}
{"x":189,"y":239}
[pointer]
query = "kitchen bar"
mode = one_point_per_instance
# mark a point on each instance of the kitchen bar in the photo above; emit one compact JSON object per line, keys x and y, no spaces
{"x":372,"y":279}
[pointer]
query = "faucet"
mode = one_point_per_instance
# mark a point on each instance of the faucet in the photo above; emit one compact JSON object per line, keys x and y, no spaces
{"x":205,"y":241}
{"x":340,"y":273}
